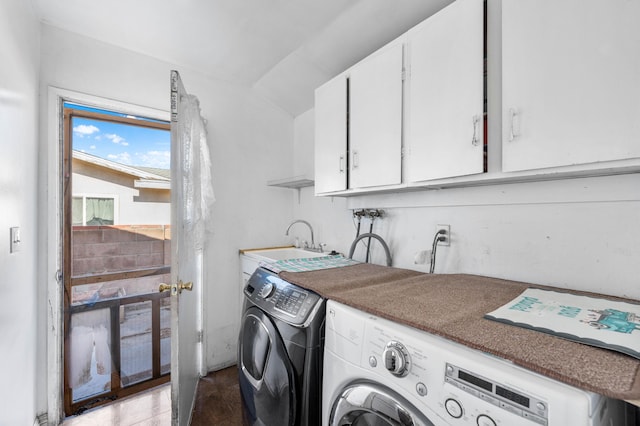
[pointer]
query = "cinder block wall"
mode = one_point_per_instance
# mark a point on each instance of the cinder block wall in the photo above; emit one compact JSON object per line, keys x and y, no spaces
{"x":99,"y":250}
{"x":107,"y":249}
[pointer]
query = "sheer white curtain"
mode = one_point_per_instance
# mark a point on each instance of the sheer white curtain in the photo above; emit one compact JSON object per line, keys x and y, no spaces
{"x":197,"y":178}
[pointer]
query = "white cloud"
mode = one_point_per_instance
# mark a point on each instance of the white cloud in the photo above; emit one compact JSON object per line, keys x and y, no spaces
{"x":122,"y":157}
{"x":159,"y":159}
{"x":92,"y":147}
{"x":116,"y":139}
{"x":84,"y":129}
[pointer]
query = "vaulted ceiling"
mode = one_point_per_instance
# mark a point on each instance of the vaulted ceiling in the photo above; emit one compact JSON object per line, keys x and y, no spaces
{"x":284,"y":49}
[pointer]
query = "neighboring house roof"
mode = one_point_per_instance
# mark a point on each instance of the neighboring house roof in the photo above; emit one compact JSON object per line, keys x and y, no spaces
{"x":148,"y":177}
{"x":161,"y":172}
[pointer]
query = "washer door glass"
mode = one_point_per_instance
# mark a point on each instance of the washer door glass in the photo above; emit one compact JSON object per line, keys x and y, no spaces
{"x":267,"y":382}
{"x":369,"y":404}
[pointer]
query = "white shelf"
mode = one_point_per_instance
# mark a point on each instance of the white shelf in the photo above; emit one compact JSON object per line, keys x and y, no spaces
{"x":296,"y":182}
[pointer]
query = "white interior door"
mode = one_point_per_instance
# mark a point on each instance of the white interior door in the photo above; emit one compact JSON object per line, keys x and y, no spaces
{"x":186,"y":262}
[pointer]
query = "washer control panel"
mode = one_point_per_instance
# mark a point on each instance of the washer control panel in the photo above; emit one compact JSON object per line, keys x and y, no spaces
{"x":280,"y":298}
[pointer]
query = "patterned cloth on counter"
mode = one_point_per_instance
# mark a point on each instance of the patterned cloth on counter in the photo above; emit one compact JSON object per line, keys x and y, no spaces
{"x":309,"y":263}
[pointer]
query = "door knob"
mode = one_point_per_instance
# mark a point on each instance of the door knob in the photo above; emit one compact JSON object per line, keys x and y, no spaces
{"x":184,"y":286}
{"x":181,"y":286}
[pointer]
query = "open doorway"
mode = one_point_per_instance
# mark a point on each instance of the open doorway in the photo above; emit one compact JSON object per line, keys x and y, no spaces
{"x":116,"y":251}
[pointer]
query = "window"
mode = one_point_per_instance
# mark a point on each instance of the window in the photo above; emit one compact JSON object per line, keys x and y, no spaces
{"x":94,"y":210}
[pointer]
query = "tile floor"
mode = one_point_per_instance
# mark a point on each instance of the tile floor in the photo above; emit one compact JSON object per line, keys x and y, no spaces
{"x":151,"y":407}
{"x":217,"y":403}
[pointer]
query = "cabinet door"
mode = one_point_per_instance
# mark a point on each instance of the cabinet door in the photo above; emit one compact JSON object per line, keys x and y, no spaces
{"x":571,"y":82}
{"x":445,"y":123}
{"x":331,"y":136}
{"x":375,"y":119}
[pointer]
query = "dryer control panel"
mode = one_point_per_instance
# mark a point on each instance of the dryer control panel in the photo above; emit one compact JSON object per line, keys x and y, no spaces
{"x":280,"y":298}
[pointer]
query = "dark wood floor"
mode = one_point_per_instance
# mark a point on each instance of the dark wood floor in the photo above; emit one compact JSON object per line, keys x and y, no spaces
{"x":218,"y":399}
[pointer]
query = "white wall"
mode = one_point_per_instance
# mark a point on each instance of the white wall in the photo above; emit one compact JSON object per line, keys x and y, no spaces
{"x":250,"y":144}
{"x":579,"y":233}
{"x":19,"y":44}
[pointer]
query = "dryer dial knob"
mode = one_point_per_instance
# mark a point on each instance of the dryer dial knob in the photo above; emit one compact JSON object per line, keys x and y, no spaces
{"x":266,"y":291}
{"x":396,"y":359}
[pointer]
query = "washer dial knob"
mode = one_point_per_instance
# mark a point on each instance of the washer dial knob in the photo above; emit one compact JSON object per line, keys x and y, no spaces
{"x":396,"y":359}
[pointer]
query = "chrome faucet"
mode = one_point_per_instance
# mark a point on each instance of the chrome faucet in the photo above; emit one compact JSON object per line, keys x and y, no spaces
{"x":313,"y":244}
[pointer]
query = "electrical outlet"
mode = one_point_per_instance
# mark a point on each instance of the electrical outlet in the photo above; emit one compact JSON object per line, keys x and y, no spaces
{"x":447,"y":234}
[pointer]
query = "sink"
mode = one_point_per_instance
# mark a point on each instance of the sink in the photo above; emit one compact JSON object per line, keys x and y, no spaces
{"x":284,"y":253}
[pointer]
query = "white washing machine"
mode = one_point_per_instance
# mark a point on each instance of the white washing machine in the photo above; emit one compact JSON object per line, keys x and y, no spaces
{"x":377,"y":372}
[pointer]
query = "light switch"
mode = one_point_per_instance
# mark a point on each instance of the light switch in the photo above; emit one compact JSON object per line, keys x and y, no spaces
{"x":15,"y":239}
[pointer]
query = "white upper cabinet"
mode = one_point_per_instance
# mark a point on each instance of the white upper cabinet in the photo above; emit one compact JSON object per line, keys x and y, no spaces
{"x":358,"y":128}
{"x":331,"y":136}
{"x":571,"y":82}
{"x":445,"y":94}
{"x":569,"y":89}
{"x":375,"y":119}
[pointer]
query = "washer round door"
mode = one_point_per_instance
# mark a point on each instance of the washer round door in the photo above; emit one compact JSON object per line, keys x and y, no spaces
{"x":267,"y":381}
{"x":368,"y":404}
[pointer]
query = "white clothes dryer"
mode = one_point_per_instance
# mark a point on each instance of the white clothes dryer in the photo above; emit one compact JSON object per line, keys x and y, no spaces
{"x":377,"y":372}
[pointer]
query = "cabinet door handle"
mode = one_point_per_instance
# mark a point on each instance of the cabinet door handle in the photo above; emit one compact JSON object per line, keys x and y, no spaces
{"x":474,"y":139}
{"x":341,"y":164}
{"x":513,"y":114}
{"x":355,"y":159}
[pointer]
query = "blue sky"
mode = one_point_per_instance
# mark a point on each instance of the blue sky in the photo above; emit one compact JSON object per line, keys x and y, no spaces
{"x":126,"y":144}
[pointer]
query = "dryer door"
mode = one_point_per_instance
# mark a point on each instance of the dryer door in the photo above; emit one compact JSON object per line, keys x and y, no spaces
{"x":368,"y":404}
{"x":267,"y":382}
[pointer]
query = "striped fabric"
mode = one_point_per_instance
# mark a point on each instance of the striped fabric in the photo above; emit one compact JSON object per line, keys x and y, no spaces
{"x":308,"y":264}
